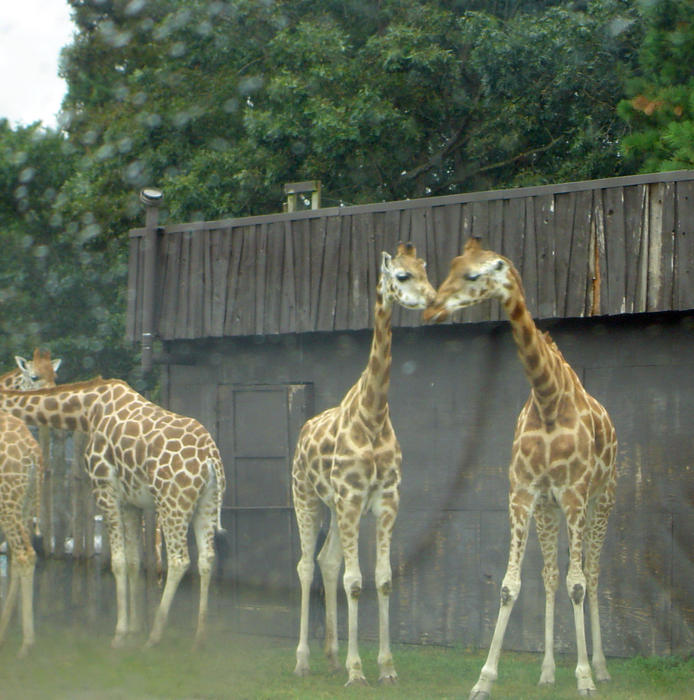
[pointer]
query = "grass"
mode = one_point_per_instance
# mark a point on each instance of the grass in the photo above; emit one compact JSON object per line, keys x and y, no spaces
{"x":71,"y":664}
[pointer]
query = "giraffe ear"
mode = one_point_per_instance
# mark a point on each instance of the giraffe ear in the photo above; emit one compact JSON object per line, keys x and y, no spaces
{"x":386,"y":262}
{"x":56,"y":364}
{"x":21,"y":363}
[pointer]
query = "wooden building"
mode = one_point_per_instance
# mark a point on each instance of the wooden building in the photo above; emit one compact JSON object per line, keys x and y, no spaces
{"x":264,"y":321}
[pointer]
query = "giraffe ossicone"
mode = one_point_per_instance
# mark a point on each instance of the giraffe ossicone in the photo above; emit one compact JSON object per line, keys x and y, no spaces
{"x":139,"y":456}
{"x":348,"y":459}
{"x":563,"y":460}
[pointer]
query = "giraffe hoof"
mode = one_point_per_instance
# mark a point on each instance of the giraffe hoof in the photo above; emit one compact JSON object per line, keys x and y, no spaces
{"x":118,"y":642}
{"x":587,"y":692}
{"x":479,"y":695}
{"x":356,"y":680}
{"x":301,"y":671}
{"x":24,"y":651}
{"x":389,"y":680}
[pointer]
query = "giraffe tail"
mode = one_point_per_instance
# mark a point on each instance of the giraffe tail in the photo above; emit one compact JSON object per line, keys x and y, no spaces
{"x":38,"y":476}
{"x":217,"y":469}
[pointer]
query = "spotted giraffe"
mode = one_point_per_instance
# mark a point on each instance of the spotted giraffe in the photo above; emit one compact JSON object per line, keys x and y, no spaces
{"x":139,"y":456}
{"x":21,"y":465}
{"x":348,"y":458}
{"x":563,"y":460}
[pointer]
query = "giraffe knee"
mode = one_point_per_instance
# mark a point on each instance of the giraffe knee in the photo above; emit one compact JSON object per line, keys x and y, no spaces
{"x":509,"y":593}
{"x":577,"y":593}
{"x":352,"y":584}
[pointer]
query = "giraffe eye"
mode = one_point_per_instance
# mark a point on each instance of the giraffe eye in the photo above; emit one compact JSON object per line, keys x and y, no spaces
{"x":403,"y":276}
{"x":471,"y":276}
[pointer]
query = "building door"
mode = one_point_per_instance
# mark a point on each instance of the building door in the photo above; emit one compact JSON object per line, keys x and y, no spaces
{"x":257,"y":432}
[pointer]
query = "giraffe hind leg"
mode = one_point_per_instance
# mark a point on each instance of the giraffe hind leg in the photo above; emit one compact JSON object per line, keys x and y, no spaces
{"x":204,"y":523}
{"x":547,"y":519}
{"x":330,"y":561}
{"x":595,"y":535}
{"x":308,"y":518}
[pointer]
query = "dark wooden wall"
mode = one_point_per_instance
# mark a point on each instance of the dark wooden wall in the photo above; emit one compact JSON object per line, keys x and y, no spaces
{"x":611,"y":246}
{"x":455,"y":395}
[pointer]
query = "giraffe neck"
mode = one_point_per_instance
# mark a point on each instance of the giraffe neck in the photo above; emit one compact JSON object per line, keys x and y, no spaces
{"x":68,"y":407}
{"x":371,"y":395}
{"x":543,"y":364}
{"x":11,"y":380}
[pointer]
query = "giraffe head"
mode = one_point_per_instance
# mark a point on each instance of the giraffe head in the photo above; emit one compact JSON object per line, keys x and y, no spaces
{"x":38,"y":372}
{"x":404,"y":278}
{"x":476,"y":275}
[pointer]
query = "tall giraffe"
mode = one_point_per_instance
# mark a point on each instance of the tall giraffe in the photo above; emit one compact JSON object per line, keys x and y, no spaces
{"x":21,"y":462}
{"x":349,"y":458}
{"x":139,"y":456}
{"x":31,"y":374}
{"x":562,"y":461}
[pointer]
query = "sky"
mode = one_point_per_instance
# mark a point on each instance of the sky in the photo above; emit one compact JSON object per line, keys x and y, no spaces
{"x":32,"y":32}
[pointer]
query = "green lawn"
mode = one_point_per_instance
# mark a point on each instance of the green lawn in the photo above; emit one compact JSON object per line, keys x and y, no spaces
{"x":74,"y":665}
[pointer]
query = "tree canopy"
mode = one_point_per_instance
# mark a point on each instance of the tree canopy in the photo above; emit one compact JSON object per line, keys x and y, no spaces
{"x":660,"y":104}
{"x":221,"y":102}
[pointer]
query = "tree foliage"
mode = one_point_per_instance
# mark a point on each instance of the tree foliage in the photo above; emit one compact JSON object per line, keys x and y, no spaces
{"x":221,"y":102}
{"x":660,"y":108}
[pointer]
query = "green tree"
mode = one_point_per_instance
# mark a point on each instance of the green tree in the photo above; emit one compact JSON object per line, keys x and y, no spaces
{"x":660,"y":104}
{"x":56,"y":289}
{"x":221,"y":103}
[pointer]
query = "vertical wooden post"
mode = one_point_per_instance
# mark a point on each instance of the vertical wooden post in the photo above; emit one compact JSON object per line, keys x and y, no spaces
{"x":151,"y":198}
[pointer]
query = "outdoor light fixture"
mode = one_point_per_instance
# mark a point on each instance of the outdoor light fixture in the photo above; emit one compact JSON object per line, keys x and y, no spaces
{"x":151,"y":196}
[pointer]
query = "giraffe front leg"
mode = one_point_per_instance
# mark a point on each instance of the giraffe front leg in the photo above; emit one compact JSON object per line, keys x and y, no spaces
{"x":349,"y":514}
{"x":386,"y":511}
{"x":520,"y":507}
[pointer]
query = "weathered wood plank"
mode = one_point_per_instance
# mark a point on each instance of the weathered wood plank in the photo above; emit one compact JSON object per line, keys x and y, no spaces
{"x":317,"y":233}
{"x":233,"y":310}
{"x":564,"y":211}
{"x":168,"y":287}
{"x":684,"y":245}
{"x":274,"y":293}
{"x":662,"y":244}
{"x":579,"y":279}
{"x":197,"y":285}
{"x":546,"y":237}
{"x":528,"y":268}
{"x":260,"y":235}
{"x":302,"y":273}
{"x":288,"y":303}
{"x":615,"y":249}
{"x":343,"y":286}
{"x":328,"y":281}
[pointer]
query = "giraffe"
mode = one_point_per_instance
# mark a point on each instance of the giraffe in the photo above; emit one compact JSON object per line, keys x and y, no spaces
{"x":562,"y":461}
{"x":139,"y":456}
{"x":31,"y":374}
{"x":349,"y":458}
{"x":20,"y":460}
